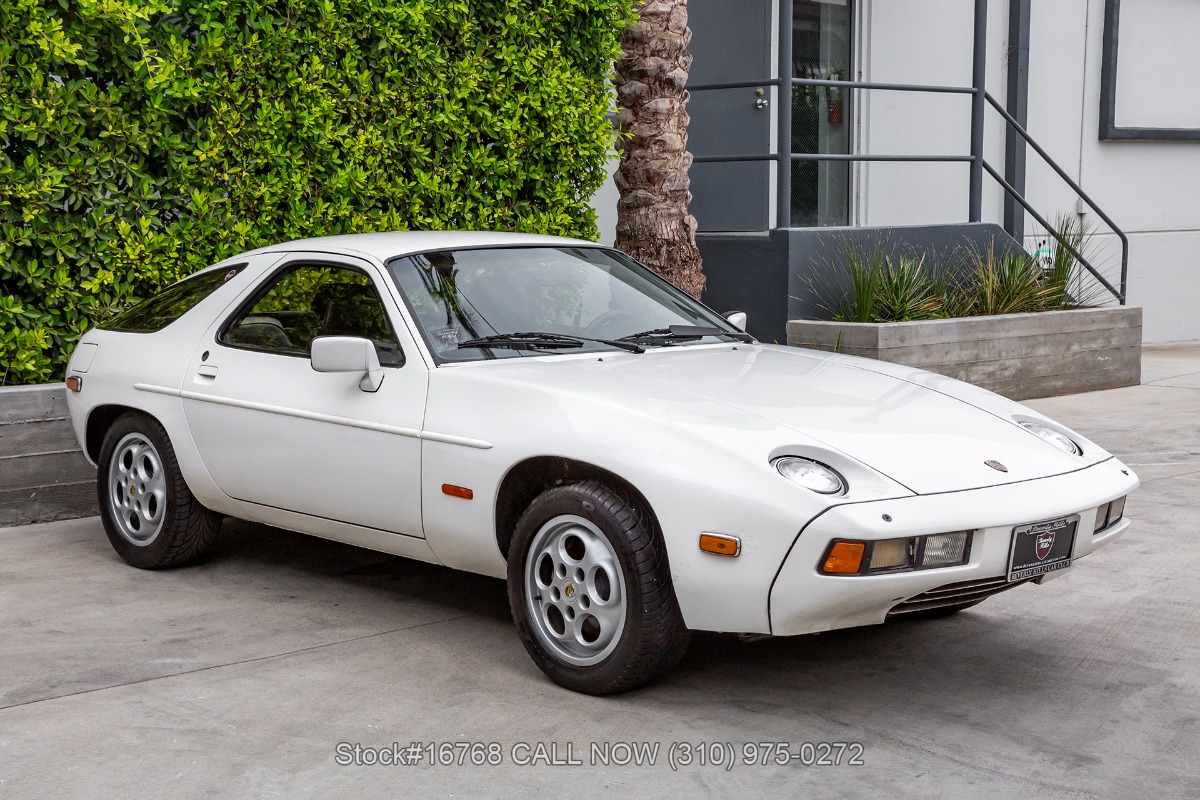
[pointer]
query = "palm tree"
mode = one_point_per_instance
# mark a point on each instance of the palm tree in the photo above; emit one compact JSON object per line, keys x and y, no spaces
{"x":653,"y":223}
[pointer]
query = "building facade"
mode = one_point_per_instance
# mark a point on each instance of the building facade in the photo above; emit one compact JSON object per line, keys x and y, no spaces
{"x":818,"y":120}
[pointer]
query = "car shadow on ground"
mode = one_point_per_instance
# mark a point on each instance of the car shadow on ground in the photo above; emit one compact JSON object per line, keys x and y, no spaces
{"x":983,"y":652}
{"x":264,"y":547}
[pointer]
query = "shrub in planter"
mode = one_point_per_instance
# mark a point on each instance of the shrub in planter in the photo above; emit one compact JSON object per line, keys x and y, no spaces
{"x":143,"y":139}
{"x":1005,"y":321}
{"x":870,"y":283}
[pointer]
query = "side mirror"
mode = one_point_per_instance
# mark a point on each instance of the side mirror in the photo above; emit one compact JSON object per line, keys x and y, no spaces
{"x":348,"y":354}
{"x":737,"y":319}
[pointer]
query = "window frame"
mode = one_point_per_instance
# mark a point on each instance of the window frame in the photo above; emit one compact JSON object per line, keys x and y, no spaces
{"x":1110,"y":131}
{"x":268,"y":283}
{"x":849,"y":116}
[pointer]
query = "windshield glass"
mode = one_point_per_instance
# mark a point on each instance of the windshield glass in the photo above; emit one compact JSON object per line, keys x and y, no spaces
{"x":460,"y":295}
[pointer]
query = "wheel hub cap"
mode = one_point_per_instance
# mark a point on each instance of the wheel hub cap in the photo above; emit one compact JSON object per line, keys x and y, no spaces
{"x":575,"y":591}
{"x":137,"y":488}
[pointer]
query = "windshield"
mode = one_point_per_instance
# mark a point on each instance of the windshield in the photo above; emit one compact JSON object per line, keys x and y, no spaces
{"x":461,"y":295}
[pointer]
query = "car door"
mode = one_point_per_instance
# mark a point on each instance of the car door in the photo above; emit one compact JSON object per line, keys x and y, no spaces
{"x":273,"y":431}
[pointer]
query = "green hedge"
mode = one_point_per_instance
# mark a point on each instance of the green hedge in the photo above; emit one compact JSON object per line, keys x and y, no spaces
{"x":143,"y":139}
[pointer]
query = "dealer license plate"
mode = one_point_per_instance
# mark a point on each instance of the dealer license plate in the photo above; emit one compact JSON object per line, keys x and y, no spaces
{"x":1041,"y":547}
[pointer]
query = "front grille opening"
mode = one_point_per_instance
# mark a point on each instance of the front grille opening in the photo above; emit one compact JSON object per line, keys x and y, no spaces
{"x":955,"y":594}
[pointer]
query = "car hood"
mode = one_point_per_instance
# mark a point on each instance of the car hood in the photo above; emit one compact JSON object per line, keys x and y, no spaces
{"x":923,"y":438}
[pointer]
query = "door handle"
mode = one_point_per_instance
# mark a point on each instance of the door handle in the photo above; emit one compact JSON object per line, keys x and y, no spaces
{"x":207,"y":370}
{"x":762,"y":102}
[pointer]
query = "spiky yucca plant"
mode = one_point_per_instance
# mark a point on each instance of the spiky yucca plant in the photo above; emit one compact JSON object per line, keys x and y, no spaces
{"x":1072,"y":285}
{"x":848,"y":290}
{"x":905,"y":291}
{"x":955,"y":295}
{"x":1009,"y":283}
{"x":868,"y":282}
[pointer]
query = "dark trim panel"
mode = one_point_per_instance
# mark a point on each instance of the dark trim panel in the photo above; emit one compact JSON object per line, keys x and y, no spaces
{"x":1017,"y":103}
{"x":1109,"y":131}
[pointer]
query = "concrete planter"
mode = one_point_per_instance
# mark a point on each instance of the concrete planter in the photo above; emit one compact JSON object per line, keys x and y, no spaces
{"x":1020,"y":356}
{"x":43,"y":474}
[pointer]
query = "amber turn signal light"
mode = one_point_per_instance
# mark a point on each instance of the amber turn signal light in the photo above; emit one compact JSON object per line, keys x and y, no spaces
{"x":845,"y":558}
{"x":457,"y":491}
{"x":721,"y":545}
{"x":75,"y":383}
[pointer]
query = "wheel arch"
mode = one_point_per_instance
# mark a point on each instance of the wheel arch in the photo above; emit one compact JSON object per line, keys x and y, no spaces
{"x":527,"y":479}
{"x":100,"y":420}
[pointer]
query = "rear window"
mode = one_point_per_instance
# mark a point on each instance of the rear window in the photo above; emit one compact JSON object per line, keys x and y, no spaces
{"x":171,"y":303}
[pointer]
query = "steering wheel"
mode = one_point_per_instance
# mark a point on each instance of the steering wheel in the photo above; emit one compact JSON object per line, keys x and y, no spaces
{"x":605,"y":319}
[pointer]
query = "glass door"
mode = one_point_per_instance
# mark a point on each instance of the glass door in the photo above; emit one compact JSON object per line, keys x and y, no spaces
{"x":821,"y":32}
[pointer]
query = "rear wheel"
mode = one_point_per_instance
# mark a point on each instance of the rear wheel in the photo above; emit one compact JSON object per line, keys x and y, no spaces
{"x":591,"y":592}
{"x":151,"y":517}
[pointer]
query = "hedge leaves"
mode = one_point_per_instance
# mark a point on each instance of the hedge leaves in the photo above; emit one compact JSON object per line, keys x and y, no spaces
{"x":143,"y":139}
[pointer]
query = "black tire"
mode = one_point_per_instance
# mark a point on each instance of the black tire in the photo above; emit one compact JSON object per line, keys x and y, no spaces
{"x":187,"y":530}
{"x":939,"y":613}
{"x":653,"y":638}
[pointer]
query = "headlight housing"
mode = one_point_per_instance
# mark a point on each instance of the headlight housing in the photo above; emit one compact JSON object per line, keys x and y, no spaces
{"x":812,"y":475}
{"x":931,"y":551}
{"x":1059,"y":440}
{"x":1109,"y":514}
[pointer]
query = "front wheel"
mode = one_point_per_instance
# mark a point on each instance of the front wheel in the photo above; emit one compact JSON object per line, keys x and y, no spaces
{"x":590,"y":590}
{"x":151,"y":517}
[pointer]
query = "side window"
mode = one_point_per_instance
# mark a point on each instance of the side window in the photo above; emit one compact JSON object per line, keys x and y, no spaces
{"x":171,"y":303}
{"x":309,"y":301}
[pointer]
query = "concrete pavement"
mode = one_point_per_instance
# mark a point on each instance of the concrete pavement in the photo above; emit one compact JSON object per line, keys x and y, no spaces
{"x":240,"y":677}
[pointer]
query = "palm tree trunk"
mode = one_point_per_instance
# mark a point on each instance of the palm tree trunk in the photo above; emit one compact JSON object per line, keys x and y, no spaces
{"x":653,"y":223}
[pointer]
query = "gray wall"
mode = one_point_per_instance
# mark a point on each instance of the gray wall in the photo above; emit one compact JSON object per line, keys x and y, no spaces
{"x":43,"y":474}
{"x":748,"y":272}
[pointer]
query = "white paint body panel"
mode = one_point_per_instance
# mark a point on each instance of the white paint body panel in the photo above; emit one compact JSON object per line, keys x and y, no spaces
{"x":693,"y":428}
{"x":360,"y":457}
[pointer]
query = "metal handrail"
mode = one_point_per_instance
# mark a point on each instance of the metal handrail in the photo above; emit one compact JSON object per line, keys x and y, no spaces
{"x":895,"y":87}
{"x":976,"y":159}
{"x":1013,"y":193}
{"x":734,"y":85}
{"x":829,"y":157}
{"x":1075,"y":187}
{"x":874,"y":157}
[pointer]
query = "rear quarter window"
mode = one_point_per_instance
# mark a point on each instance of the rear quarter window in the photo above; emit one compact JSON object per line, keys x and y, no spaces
{"x":171,"y":303}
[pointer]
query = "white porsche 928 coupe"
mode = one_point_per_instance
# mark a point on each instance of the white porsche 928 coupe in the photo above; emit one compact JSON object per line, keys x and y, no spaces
{"x":550,"y":412}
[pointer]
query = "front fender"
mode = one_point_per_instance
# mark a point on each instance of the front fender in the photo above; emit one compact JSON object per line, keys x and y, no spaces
{"x":702,"y":465}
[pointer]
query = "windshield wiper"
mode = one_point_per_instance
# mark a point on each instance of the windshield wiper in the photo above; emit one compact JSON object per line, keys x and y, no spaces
{"x":544,"y":341}
{"x":685,"y":332}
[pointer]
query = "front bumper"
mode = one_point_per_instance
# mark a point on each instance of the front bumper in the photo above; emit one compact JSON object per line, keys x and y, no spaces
{"x":802,"y":600}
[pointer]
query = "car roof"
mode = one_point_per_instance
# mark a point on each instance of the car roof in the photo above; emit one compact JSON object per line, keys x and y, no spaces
{"x":383,"y":246}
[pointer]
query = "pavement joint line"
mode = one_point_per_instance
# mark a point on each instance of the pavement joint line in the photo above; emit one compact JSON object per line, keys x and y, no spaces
{"x":235,"y":663}
{"x":902,"y":746}
{"x":1165,"y":386}
{"x":1154,"y":463}
{"x":1168,"y":477}
{"x":1169,"y":503}
{"x":1180,"y":375}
